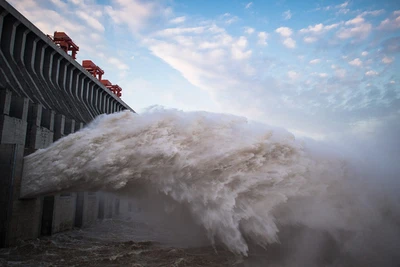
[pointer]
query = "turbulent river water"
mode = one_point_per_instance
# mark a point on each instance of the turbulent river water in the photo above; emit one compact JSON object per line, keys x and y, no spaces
{"x":238,"y":186}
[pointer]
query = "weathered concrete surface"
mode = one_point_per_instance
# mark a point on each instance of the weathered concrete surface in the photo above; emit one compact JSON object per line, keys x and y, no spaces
{"x":91,"y":208}
{"x":44,"y":95}
{"x":7,"y":157}
{"x":22,"y":220}
{"x":64,"y":212}
{"x":40,"y":133}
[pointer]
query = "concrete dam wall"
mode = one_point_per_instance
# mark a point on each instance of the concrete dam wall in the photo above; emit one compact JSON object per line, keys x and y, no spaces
{"x":44,"y":95}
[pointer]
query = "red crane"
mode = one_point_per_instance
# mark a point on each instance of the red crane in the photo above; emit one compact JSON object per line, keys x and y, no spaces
{"x":112,"y":87}
{"x":65,"y":43}
{"x":106,"y":83}
{"x":95,"y":70}
{"x":116,"y":90}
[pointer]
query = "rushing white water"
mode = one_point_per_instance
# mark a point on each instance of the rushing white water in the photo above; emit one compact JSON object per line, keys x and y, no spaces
{"x":241,"y":181}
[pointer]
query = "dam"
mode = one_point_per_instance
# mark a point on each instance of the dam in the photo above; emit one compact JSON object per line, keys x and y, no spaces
{"x":194,"y":188}
{"x":45,"y":94}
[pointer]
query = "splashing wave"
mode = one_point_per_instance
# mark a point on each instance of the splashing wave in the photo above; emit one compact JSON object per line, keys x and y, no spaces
{"x":240,"y":180}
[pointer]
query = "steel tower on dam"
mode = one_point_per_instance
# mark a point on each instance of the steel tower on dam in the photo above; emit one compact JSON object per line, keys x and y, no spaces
{"x":44,"y":95}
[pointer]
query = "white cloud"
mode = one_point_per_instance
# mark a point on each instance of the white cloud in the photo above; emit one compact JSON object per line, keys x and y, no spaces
{"x":387,"y":60}
{"x":373,"y":13}
{"x":371,"y":73}
{"x":248,"y":5}
{"x":320,"y":74}
{"x":220,"y":68}
{"x":343,"y":11}
{"x":59,"y":4}
{"x":76,"y":2}
{"x":310,"y":39}
{"x":356,"y":62}
{"x":196,"y":67}
{"x":284,"y":31}
{"x":364,"y":53}
{"x":319,"y":28}
{"x":315,"y":61}
{"x":117,"y":63}
{"x":342,"y":8}
{"x":340,"y":73}
{"x":262,"y":38}
{"x":356,"y":20}
{"x":242,"y":42}
{"x":360,"y":18}
{"x":360,"y":31}
{"x":134,"y":13}
{"x":385,"y":24}
{"x":229,"y":19}
{"x":293,"y":75}
{"x":249,"y":30}
{"x":180,"y":31}
{"x":390,"y":24}
{"x":396,"y":12}
{"x":240,"y":54}
{"x":90,"y":20}
{"x":392,"y":82}
{"x":178,"y":20}
{"x":289,"y":43}
{"x":202,"y":45}
{"x":343,"y":5}
{"x":287,"y":15}
{"x":238,"y":49}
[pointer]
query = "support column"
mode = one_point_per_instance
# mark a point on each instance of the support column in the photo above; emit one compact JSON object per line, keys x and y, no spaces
{"x":22,"y":217}
{"x":79,"y":126}
{"x":48,"y":118}
{"x":69,"y":126}
{"x":59,"y":126}
{"x":38,"y":136}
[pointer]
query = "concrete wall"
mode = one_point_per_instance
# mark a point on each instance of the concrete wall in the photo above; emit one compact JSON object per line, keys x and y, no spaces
{"x":44,"y":96}
{"x":109,"y":205}
{"x":22,"y":217}
{"x":7,"y":165}
{"x":91,"y":208}
{"x":127,"y":206}
{"x":87,"y":208}
{"x":24,"y":128}
{"x":64,"y":212}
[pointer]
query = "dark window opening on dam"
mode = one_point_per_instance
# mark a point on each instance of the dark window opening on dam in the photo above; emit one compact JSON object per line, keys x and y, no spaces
{"x":79,"y":209}
{"x":47,"y":216}
{"x":7,"y":165}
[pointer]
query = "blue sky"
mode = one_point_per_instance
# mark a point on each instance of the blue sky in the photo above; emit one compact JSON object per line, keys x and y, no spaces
{"x":317,"y":68}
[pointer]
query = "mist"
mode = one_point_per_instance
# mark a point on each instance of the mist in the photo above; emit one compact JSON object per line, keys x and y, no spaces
{"x":255,"y":189}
